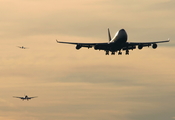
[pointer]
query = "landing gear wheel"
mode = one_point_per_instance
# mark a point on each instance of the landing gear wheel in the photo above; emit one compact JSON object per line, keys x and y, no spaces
{"x":119,"y":53}
{"x":113,"y":53}
{"x":107,"y":52}
{"x":127,"y":52}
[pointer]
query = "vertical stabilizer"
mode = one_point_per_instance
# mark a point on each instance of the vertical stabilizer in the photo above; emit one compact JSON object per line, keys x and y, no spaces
{"x":109,"y":35}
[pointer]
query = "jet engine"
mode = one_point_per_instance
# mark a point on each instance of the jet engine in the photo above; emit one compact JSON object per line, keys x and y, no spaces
{"x":78,"y":46}
{"x":140,"y":47}
{"x":154,"y":46}
{"x":96,"y":47}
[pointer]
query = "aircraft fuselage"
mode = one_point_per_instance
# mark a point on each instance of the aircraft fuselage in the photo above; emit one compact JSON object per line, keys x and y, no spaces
{"x":118,"y":41}
{"x":120,"y":37}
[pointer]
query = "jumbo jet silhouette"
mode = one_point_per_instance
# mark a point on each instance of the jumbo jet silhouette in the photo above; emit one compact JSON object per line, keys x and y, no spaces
{"x":25,"y":97}
{"x":116,"y":44}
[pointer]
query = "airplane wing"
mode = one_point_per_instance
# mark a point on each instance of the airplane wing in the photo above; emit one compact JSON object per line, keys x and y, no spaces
{"x":107,"y":46}
{"x":79,"y":45}
{"x":144,"y":44}
{"x":18,"y":97}
{"x":32,"y":97}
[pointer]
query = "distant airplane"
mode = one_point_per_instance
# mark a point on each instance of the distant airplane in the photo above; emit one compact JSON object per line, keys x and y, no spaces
{"x":22,"y":47}
{"x":116,"y":44}
{"x":25,"y":97}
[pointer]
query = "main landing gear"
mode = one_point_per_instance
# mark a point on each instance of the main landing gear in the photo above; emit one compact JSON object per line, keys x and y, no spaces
{"x":119,"y":53}
{"x":113,"y":53}
{"x":107,"y":52}
{"x":127,"y":52}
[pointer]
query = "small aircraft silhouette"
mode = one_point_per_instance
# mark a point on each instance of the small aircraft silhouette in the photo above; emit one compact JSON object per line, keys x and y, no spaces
{"x":25,"y":97}
{"x":22,"y":47}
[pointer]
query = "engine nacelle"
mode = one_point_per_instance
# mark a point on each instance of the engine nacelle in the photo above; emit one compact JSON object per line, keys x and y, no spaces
{"x":140,"y":47}
{"x":78,"y":46}
{"x":154,"y":46}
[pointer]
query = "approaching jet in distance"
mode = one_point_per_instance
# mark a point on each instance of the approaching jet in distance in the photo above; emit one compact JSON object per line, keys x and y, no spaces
{"x":25,"y":97}
{"x":22,"y":47}
{"x":116,"y":44}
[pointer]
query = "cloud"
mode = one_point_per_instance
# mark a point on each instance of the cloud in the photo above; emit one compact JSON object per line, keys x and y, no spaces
{"x":68,"y":19}
{"x":85,"y":84}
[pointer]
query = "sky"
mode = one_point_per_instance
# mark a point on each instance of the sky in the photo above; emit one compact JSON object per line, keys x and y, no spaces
{"x":86,"y":84}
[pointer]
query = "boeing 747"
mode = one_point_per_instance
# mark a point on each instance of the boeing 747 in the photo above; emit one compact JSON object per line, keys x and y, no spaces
{"x":116,"y":44}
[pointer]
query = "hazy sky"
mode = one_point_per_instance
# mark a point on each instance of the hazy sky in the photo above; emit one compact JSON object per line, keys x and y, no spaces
{"x":86,"y":84}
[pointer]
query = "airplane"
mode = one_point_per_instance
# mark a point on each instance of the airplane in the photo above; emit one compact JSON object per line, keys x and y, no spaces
{"x":22,"y":47}
{"x":25,"y":97}
{"x":116,"y":44}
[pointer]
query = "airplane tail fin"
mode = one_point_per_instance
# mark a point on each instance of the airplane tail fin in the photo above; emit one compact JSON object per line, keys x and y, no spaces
{"x":109,"y":35}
